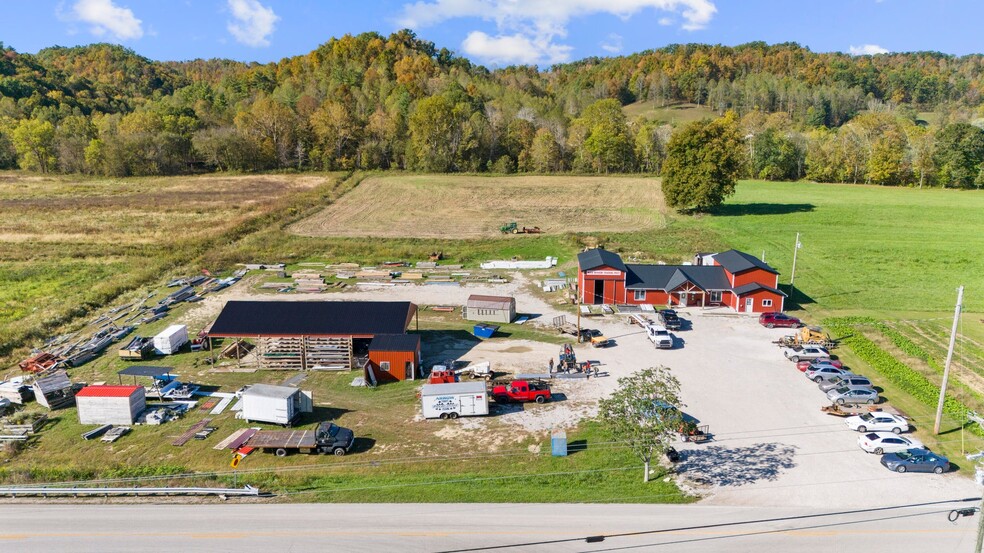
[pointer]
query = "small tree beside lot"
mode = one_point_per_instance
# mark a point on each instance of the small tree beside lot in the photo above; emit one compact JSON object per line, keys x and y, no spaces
{"x":643,"y":413}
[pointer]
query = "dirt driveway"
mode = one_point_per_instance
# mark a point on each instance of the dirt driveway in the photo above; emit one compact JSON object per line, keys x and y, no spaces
{"x":772,"y":446}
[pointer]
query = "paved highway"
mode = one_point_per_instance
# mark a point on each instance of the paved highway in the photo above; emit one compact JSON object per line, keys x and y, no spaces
{"x":476,"y":527}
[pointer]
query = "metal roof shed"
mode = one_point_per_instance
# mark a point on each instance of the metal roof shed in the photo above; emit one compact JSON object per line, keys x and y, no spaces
{"x":495,"y":309}
{"x":110,"y":404}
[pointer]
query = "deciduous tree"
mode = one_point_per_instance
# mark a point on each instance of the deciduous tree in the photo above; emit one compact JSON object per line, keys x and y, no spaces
{"x":703,"y":163}
{"x":644,"y":413}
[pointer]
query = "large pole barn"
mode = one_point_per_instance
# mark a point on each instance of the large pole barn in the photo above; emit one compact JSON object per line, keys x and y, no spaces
{"x":309,"y":335}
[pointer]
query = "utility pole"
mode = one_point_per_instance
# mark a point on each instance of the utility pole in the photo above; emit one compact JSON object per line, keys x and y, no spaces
{"x":980,"y":528}
{"x":792,"y":274}
{"x":946,"y":371}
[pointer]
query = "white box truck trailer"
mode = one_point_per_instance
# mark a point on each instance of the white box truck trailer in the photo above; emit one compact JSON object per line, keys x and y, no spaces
{"x":275,"y":404}
{"x":454,"y":399}
{"x":171,"y":339}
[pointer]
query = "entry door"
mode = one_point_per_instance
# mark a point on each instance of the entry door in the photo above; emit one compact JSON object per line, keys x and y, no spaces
{"x":749,"y":304}
{"x":408,"y":371}
{"x":683,"y":299}
{"x":599,"y":292}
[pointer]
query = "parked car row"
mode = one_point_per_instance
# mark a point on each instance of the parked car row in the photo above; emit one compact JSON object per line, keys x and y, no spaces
{"x":880,"y":432}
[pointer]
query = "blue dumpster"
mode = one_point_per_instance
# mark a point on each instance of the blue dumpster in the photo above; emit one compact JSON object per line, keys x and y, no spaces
{"x":485,"y":331}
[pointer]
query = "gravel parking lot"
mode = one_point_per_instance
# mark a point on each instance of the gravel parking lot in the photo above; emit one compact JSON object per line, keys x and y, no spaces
{"x":771,"y":444}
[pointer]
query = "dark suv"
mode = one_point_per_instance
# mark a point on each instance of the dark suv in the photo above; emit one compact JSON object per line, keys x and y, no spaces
{"x":669,"y":319}
{"x":771,"y":320}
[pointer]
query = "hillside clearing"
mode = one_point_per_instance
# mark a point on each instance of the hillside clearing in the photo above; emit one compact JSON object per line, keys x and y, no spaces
{"x":447,"y":206}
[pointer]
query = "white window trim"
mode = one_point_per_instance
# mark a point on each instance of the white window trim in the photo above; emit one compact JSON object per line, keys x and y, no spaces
{"x":719,"y":296}
{"x":639,"y":295}
{"x":766,"y":303}
{"x":384,"y":366}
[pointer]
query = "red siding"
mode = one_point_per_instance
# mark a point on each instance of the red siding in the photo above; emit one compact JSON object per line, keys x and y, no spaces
{"x":653,"y":297}
{"x":757,"y":298}
{"x":755,"y":276}
{"x":397,"y":361}
{"x":614,"y":285}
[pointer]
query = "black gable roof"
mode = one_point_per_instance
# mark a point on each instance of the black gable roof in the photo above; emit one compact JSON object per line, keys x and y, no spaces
{"x":597,"y":258}
{"x":735,"y":262}
{"x":312,"y":318}
{"x":395,"y":342}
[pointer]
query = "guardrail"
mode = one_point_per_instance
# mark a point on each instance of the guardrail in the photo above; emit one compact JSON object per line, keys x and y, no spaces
{"x":14,"y":491}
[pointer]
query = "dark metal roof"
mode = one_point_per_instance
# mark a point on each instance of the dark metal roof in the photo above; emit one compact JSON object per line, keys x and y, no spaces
{"x":146,"y":370}
{"x":754,"y":287}
{"x":313,"y":318}
{"x":598,"y":257}
{"x":395,"y":342}
{"x":669,"y":277}
{"x":735,"y":262}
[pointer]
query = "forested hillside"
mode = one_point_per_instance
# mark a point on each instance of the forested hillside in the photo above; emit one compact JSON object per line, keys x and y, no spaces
{"x":371,"y":101}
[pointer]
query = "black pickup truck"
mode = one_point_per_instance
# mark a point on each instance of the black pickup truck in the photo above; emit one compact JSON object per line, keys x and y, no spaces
{"x":669,"y":319}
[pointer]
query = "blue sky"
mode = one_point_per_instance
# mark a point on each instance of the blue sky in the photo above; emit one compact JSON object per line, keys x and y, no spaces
{"x":491,"y":32}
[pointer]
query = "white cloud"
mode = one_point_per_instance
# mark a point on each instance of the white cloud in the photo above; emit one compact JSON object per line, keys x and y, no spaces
{"x":666,"y":21}
{"x":252,"y":23}
{"x":867,"y":50}
{"x":613,"y":45}
{"x":512,"y":49}
{"x":539,"y":23}
{"x":105,"y":17}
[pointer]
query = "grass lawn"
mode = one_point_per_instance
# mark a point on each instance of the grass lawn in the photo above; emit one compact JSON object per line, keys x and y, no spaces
{"x":864,"y":248}
{"x":675,"y":114}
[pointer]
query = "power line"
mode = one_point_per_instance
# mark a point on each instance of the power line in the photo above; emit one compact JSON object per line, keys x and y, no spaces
{"x":600,"y":538}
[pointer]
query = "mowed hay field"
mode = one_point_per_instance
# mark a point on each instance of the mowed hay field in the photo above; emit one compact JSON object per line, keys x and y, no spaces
{"x":69,"y":245}
{"x":446,"y":206}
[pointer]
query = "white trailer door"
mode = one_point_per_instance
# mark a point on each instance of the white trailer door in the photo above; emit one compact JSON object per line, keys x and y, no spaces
{"x":307,"y":401}
{"x":467,"y":404}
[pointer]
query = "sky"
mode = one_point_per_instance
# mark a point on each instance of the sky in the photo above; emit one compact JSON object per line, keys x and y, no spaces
{"x":494,"y":33}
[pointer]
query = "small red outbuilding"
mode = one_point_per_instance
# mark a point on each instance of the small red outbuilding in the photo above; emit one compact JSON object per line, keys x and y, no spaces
{"x":393,"y":357}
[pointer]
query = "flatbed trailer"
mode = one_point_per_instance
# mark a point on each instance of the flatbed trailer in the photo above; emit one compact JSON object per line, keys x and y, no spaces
{"x":327,"y":438}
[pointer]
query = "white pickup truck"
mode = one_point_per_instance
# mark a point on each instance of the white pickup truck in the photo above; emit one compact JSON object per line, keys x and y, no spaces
{"x":659,"y":336}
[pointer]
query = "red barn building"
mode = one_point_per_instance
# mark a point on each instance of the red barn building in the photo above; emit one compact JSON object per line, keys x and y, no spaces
{"x":394,"y":357}
{"x":732,"y":278}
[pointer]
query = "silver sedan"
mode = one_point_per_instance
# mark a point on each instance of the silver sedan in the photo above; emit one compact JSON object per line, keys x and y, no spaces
{"x":852,"y":395}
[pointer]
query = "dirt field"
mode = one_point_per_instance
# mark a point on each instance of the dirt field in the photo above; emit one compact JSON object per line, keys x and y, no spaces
{"x":444,"y":206}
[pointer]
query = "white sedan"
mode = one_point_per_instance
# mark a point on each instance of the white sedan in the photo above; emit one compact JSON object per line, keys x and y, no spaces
{"x":878,"y":422}
{"x":887,"y":442}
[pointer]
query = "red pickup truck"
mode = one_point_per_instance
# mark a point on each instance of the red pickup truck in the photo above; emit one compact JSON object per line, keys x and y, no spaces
{"x":521,"y":391}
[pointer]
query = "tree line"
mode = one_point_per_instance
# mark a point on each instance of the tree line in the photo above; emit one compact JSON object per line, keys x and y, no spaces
{"x":398,"y":102}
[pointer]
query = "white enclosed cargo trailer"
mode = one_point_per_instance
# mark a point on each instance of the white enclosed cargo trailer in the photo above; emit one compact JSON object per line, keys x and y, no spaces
{"x":171,"y":339}
{"x":454,"y":399}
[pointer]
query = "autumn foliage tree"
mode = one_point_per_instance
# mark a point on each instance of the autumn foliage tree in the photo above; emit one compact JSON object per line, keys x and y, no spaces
{"x":703,"y":163}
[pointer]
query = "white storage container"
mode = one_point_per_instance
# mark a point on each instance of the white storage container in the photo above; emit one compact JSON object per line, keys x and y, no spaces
{"x":171,"y":339}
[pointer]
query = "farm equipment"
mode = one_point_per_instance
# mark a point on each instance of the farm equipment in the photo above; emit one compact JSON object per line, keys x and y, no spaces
{"x":807,"y":336}
{"x":446,"y":374}
{"x":567,"y":361}
{"x":513,"y":228}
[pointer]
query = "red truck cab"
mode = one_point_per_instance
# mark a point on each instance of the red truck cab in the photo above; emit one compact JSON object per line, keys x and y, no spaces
{"x":522,"y":391}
